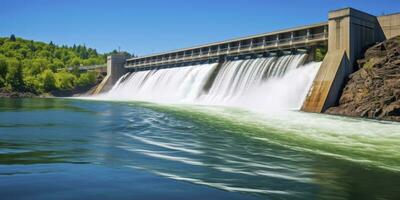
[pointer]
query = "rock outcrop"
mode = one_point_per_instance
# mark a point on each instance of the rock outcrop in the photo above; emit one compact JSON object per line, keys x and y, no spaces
{"x":374,"y":90}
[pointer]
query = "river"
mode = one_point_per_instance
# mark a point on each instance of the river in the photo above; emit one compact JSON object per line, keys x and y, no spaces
{"x":80,"y":149}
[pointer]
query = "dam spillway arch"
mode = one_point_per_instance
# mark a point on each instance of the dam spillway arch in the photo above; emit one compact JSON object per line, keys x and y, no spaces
{"x":346,"y":34}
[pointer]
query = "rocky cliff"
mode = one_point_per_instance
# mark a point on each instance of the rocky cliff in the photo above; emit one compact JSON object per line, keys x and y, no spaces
{"x":374,"y":90}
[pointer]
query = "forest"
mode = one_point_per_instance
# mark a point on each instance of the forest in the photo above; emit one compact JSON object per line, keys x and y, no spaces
{"x":38,"y":67}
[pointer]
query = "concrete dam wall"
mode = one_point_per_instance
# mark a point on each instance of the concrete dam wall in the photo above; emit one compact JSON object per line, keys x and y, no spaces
{"x":346,"y":35}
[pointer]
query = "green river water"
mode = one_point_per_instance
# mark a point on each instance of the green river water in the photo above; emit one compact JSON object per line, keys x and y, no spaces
{"x":81,"y":149}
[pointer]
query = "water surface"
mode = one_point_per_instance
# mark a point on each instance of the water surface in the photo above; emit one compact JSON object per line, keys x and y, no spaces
{"x":74,"y":149}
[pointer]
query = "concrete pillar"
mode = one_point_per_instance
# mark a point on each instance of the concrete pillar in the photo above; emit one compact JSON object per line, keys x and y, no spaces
{"x":350,"y":32}
{"x":291,"y":37}
{"x":263,"y":45}
{"x":115,"y":69}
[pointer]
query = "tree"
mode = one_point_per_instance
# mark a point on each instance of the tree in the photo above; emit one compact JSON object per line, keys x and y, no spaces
{"x":31,"y":46}
{"x":115,"y":52}
{"x":32,"y":84}
{"x":65,"y":80}
{"x":3,"y":72}
{"x":320,"y":53}
{"x":75,"y":62}
{"x":48,"y":80}
{"x":25,"y":65}
{"x":12,"y":38}
{"x":3,"y":68}
{"x":86,"y":79}
{"x":38,"y":65}
{"x":14,"y":77}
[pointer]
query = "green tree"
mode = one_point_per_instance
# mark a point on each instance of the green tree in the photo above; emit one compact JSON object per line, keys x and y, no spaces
{"x":12,"y":38}
{"x":3,"y":72}
{"x":14,"y":77}
{"x":75,"y":62}
{"x":320,"y":53}
{"x":25,"y":65}
{"x":32,"y":84}
{"x":3,"y":67}
{"x":65,"y":80}
{"x":87,"y":79}
{"x":48,"y":80}
{"x":38,"y":65}
{"x":58,"y":63}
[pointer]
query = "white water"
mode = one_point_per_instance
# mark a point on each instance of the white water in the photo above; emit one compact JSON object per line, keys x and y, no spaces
{"x":261,"y":83}
{"x":170,"y":85}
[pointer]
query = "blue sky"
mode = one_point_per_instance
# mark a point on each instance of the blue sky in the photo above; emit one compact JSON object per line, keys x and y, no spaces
{"x":151,"y":26}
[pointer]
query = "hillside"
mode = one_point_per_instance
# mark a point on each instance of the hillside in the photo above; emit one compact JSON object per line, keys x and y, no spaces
{"x":374,"y":90}
{"x":29,"y":68}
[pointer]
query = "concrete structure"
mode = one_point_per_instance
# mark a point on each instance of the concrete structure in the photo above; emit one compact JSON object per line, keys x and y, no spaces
{"x":289,"y":39}
{"x":347,"y":34}
{"x":97,"y":68}
{"x":115,"y":69}
{"x":350,"y":33}
{"x":390,"y":24}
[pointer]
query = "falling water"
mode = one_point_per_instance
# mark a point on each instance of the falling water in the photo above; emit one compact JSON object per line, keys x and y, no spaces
{"x":236,"y":78}
{"x":252,"y":83}
{"x":182,"y":84}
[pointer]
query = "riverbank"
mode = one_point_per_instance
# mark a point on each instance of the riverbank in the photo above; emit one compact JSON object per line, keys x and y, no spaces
{"x":13,"y":94}
{"x":78,"y":91}
{"x":4,"y":93}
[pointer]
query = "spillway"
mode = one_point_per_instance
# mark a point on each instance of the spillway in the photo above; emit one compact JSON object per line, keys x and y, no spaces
{"x":266,"y":82}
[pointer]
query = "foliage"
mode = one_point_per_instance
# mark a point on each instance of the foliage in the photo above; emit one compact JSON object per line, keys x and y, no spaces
{"x":48,"y":80}
{"x":14,"y":77}
{"x":38,"y":67}
{"x":65,"y":80}
{"x":120,"y":52}
{"x":32,"y":84}
{"x":12,"y":38}
{"x":320,"y":53}
{"x":86,"y":79}
{"x":3,"y":71}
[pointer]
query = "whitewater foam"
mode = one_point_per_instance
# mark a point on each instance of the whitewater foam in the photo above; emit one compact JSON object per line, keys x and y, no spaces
{"x":259,"y":84}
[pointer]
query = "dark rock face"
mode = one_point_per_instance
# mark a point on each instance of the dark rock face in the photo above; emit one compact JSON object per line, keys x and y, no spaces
{"x":374,"y":90}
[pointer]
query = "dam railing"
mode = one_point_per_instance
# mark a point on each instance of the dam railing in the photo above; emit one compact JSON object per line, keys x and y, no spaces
{"x":88,"y":68}
{"x":301,"y":37}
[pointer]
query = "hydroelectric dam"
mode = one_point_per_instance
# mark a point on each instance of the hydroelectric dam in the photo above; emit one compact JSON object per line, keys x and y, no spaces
{"x":242,"y":69}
